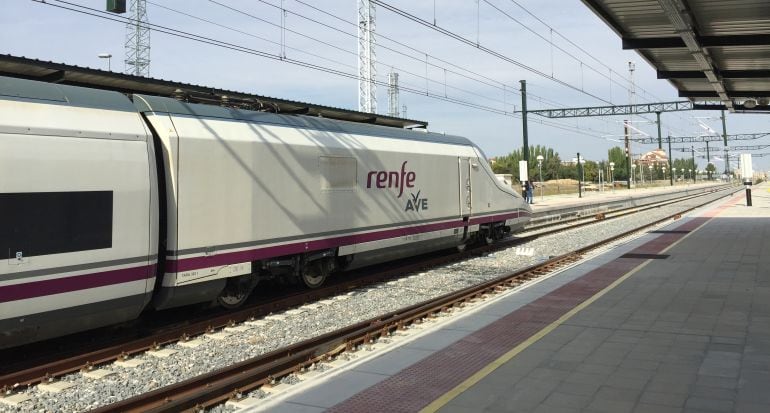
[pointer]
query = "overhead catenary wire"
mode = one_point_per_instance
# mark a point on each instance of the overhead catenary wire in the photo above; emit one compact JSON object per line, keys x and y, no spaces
{"x":547,"y":123}
{"x":475,"y":76}
{"x":485,"y":49}
{"x":284,"y":46}
{"x":594,"y":58}
{"x":462,"y":39}
{"x":428,"y":58}
{"x":568,"y":40}
{"x":444,"y":84}
{"x":343,"y":50}
{"x":582,"y":63}
{"x":207,"y":40}
{"x":243,"y":49}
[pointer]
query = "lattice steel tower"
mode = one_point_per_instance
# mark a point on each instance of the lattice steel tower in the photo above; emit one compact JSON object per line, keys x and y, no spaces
{"x":393,"y":94}
{"x":367,"y":72}
{"x":138,"y":40}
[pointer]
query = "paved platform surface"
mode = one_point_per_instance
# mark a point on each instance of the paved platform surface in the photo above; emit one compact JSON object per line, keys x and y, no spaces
{"x":688,"y":331}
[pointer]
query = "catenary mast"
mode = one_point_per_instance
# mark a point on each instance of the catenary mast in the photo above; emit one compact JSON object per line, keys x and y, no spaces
{"x":367,"y":72}
{"x":137,"y":45}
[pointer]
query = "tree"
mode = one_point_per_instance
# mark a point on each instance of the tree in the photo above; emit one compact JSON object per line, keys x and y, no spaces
{"x":618,"y":155}
{"x":509,"y":164}
{"x":682,"y":165}
{"x":711,"y":169}
{"x":590,"y":171}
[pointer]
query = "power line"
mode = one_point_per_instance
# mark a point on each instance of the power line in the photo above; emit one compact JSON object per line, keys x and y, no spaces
{"x":505,"y":88}
{"x":207,"y":40}
{"x":315,"y":39}
{"x":497,"y":83}
{"x":313,"y":54}
{"x":250,"y":34}
{"x":214,"y":42}
{"x":553,"y":30}
{"x":502,"y":86}
{"x":504,"y":13}
{"x":487,"y":50}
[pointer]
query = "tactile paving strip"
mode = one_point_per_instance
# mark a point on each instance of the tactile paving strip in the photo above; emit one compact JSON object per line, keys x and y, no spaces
{"x":418,"y":385}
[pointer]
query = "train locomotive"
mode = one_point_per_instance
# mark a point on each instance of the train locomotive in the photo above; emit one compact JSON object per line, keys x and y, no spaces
{"x":114,"y":204}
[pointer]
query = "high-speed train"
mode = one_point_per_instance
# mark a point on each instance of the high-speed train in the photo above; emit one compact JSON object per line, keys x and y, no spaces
{"x":114,"y":204}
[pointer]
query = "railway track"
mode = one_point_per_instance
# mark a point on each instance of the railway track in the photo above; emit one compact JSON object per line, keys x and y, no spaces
{"x":274,"y":365}
{"x":217,"y":387}
{"x":28,"y":365}
{"x":578,"y":221}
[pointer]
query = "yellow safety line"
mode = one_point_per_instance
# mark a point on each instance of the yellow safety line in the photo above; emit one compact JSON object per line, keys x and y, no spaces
{"x":472,"y":380}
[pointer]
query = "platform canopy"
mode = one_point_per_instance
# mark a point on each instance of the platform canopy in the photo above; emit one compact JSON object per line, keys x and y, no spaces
{"x":52,"y":72}
{"x":710,"y":50}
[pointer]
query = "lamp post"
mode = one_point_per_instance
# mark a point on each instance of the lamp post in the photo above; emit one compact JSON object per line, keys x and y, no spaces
{"x":107,"y":56}
{"x":651,"y":179}
{"x":664,"y":173}
{"x":579,"y":161}
{"x":673,"y":174}
{"x":612,"y":175}
{"x":540,"y":167}
{"x":689,"y":171}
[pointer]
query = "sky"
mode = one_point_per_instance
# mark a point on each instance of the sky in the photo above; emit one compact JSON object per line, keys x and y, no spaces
{"x":462,"y":79}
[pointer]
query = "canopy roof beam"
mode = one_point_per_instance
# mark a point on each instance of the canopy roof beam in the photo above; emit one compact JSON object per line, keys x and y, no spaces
{"x":725,"y":74}
{"x":684,"y":24}
{"x":705,"y":41}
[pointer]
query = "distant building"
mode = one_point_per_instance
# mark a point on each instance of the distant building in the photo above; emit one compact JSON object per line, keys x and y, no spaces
{"x":655,"y":157}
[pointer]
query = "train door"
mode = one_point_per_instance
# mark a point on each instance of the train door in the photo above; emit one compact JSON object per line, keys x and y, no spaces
{"x":464,"y":173}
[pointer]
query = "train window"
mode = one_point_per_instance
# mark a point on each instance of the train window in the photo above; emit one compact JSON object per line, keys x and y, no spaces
{"x":338,"y":172}
{"x":41,"y":223}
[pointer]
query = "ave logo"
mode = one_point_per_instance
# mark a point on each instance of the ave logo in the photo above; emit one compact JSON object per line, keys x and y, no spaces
{"x":416,"y":203}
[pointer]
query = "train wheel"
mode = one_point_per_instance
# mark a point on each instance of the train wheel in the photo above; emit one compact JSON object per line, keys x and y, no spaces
{"x":314,"y":274}
{"x":235,"y":292}
{"x":495,"y":233}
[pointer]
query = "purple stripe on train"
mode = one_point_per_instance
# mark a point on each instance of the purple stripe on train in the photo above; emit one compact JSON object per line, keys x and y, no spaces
{"x":187,"y":264}
{"x":93,"y":280}
{"x":75,"y":283}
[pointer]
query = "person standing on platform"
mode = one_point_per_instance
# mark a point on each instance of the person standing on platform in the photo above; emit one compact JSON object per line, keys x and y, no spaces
{"x":524,"y":186}
{"x":530,"y":190}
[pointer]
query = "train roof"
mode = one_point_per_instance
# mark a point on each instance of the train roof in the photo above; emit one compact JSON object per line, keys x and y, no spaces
{"x":29,"y":90}
{"x":146,"y":103}
{"x":63,"y":74}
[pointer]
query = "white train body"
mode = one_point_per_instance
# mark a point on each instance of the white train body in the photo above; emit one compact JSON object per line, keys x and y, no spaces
{"x":116,"y":205}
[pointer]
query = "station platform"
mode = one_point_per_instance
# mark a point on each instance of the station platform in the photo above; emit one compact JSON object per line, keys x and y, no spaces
{"x":682,"y":324}
{"x":547,"y":208}
{"x":560,"y":200}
